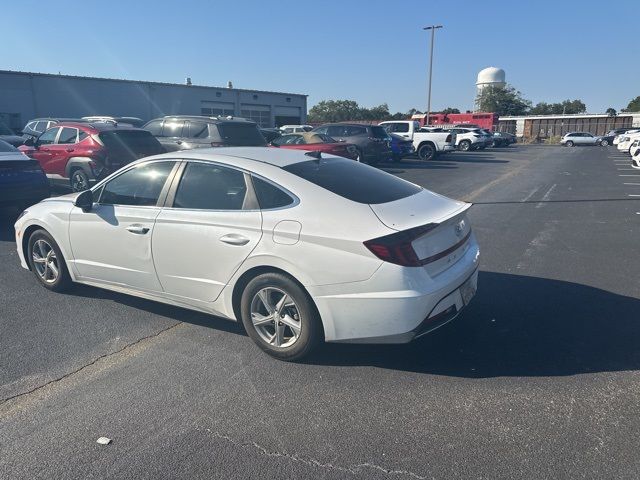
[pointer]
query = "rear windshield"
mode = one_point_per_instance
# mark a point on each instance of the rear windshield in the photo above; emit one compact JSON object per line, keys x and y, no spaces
{"x":241,"y":134}
{"x":136,"y":143}
{"x":379,"y":132}
{"x":354,"y":181}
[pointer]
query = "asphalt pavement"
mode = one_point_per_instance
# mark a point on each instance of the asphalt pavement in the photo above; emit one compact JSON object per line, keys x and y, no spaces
{"x":538,"y":378}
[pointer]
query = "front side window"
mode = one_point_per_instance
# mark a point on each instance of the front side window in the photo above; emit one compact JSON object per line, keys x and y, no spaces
{"x":140,"y":186}
{"x":335,"y":131}
{"x":48,"y":137}
{"x":322,"y":130}
{"x":206,"y":186}
{"x":154,"y":127}
{"x":172,"y":128}
{"x":68,"y":135}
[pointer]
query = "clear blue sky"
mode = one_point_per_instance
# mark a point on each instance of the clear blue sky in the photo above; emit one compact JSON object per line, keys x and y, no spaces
{"x":370,"y":51}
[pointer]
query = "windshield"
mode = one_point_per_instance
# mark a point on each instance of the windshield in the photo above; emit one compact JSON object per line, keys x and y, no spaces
{"x":379,"y":132}
{"x":241,"y":134}
{"x":354,"y":181}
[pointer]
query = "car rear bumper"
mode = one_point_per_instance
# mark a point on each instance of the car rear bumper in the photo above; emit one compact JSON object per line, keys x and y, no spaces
{"x":397,"y":304}
{"x":20,"y":195}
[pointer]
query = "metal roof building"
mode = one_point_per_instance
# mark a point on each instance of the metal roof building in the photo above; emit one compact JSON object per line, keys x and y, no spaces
{"x":27,"y":95}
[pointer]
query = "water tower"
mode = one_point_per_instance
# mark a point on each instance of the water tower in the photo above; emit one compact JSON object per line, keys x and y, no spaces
{"x":490,"y":76}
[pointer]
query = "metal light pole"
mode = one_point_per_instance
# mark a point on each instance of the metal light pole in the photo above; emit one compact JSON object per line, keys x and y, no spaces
{"x":433,"y":36}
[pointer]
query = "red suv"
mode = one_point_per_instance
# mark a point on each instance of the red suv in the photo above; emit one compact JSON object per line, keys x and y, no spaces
{"x":78,"y":154}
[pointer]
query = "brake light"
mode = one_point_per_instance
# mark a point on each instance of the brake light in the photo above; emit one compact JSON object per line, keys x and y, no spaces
{"x":396,"y":247}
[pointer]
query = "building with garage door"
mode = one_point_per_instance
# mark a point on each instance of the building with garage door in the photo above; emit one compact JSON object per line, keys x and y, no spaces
{"x":25,"y":95}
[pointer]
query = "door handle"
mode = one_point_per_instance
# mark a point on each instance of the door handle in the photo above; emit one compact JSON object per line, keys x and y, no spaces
{"x":234,"y":239}
{"x":69,"y":149}
{"x":137,"y":229}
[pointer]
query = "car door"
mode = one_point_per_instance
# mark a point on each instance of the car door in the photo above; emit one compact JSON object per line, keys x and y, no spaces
{"x":209,"y":226}
{"x":172,"y":135}
{"x":42,"y":150}
{"x":197,"y":134}
{"x":111,"y":243}
{"x":62,"y":150}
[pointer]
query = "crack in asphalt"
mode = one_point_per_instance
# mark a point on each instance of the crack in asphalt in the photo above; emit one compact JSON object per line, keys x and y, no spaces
{"x":92,"y":362}
{"x":354,"y":470}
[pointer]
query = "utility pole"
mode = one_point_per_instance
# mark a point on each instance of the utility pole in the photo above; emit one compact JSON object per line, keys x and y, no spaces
{"x":433,"y":36}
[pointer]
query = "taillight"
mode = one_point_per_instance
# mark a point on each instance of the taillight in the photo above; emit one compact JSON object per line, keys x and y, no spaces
{"x":396,"y":247}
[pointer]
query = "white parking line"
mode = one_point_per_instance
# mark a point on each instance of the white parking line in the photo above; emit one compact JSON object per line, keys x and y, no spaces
{"x":627,"y":175}
{"x":626,"y":169}
{"x":634,"y":195}
{"x":546,"y":196}
{"x":631,"y":183}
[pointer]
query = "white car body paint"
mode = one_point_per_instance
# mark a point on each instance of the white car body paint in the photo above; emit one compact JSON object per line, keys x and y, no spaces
{"x":318,"y":240}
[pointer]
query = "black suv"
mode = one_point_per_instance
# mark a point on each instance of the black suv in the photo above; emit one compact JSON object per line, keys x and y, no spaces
{"x":182,"y":132}
{"x":372,"y":141}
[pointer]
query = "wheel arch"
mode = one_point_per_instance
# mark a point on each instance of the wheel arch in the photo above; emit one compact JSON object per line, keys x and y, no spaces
{"x":24,"y":245}
{"x":74,"y":163}
{"x":244,"y":279}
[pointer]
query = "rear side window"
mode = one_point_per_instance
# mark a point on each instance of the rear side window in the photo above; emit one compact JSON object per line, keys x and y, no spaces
{"x":68,"y":135}
{"x":270,"y":196}
{"x":198,"y":130}
{"x":211,"y":187}
{"x":241,"y":134}
{"x":353,"y":180}
{"x":353,"y":131}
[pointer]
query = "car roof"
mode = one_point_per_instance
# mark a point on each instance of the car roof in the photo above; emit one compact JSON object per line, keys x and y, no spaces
{"x":98,"y":126}
{"x":202,"y":118}
{"x":347,"y":124}
{"x":240,"y":156}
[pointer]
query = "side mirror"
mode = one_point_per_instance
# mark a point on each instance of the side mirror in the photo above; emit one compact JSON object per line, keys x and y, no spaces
{"x":30,"y":142}
{"x":84,"y":201}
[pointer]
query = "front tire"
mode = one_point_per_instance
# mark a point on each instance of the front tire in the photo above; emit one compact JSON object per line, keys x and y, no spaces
{"x":426,"y":152}
{"x":604,"y":143}
{"x":464,"y":146}
{"x":280,"y":317}
{"x":79,"y":181}
{"x":569,"y":143}
{"x":47,"y":262}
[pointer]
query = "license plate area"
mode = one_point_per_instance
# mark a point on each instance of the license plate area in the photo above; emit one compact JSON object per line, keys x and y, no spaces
{"x":468,"y":291}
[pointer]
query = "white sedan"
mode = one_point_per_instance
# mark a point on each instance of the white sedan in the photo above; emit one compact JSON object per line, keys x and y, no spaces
{"x":299,"y":248}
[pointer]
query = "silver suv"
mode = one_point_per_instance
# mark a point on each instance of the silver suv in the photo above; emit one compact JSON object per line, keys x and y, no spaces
{"x":580,"y":138}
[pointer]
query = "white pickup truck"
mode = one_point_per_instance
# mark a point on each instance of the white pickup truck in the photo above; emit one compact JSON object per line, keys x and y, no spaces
{"x":427,"y":144}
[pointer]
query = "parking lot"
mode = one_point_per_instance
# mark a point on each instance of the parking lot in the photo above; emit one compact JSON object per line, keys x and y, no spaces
{"x":536,"y":379}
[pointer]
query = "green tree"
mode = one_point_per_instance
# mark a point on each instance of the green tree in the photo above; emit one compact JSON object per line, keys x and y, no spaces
{"x":611,"y":112}
{"x":504,"y":100}
{"x":567,"y":107}
{"x":634,"y":105}
{"x":449,"y":110}
{"x":334,"y":111}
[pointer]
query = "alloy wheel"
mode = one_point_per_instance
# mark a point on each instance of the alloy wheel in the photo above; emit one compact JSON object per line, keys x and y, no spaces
{"x":79,"y":181}
{"x":45,"y":261}
{"x":275,"y":317}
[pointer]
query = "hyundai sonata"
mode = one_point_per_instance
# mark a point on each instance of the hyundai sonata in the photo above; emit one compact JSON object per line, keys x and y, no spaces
{"x":299,"y":247}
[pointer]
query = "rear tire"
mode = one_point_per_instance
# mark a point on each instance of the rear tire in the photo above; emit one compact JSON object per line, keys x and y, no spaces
{"x":569,"y":143}
{"x":47,"y":262}
{"x":280,"y":317}
{"x":426,"y":152}
{"x":464,"y":146}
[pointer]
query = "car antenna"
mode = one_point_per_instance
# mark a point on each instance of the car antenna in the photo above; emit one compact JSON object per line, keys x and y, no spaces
{"x":315,"y":154}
